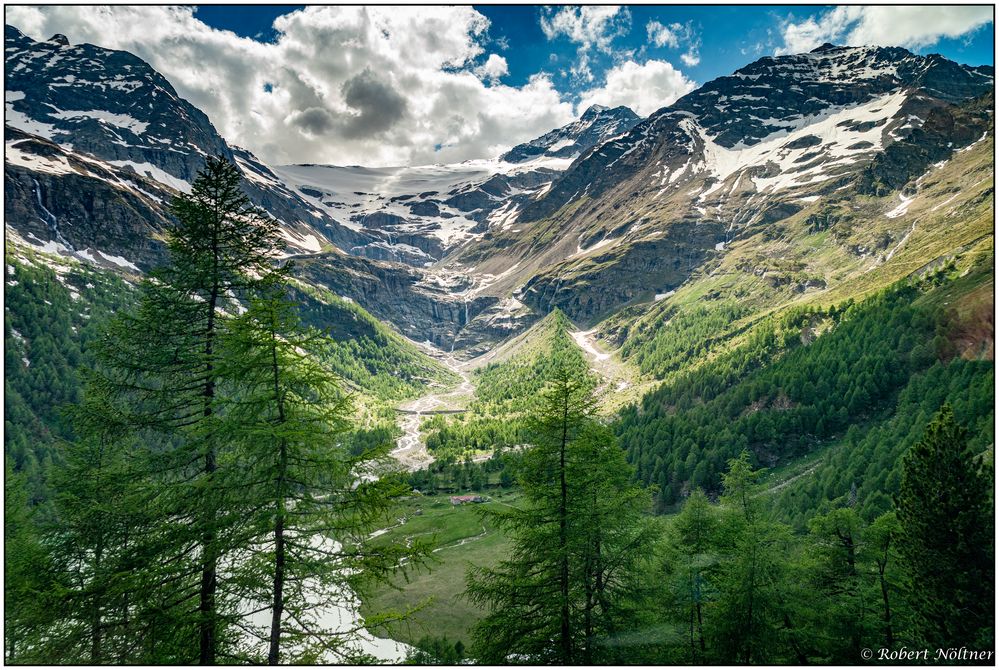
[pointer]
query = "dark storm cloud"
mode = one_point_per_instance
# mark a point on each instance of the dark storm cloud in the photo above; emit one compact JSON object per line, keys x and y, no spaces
{"x":314,"y":120}
{"x":378,"y":105}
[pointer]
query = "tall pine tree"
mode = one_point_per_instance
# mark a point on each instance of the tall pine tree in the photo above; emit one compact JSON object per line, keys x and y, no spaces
{"x":946,"y":538}
{"x":578,"y":541}
{"x":159,"y":374}
{"x":310,"y":504}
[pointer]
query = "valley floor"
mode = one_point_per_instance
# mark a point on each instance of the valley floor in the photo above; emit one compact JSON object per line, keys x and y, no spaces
{"x":464,"y":539}
{"x":411,"y":451}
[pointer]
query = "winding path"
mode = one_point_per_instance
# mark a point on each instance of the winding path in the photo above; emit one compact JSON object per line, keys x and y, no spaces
{"x":410,"y":450}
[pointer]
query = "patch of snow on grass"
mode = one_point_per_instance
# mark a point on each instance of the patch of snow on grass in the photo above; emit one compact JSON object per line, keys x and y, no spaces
{"x":606,"y":242}
{"x":902,"y":207}
{"x":118,"y":120}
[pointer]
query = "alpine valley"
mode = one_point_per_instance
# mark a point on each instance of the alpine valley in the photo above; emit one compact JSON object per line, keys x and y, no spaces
{"x":792,"y":264}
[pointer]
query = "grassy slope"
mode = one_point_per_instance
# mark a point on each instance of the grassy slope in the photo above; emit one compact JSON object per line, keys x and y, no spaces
{"x":463,"y":540}
{"x":536,"y":340}
{"x":378,"y":365}
{"x":861,"y":252}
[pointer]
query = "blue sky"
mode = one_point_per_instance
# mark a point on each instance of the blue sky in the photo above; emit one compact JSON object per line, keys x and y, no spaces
{"x":391,"y":85}
{"x":731,"y":36}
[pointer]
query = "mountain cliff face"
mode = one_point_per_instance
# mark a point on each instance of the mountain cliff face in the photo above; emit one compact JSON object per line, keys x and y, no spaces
{"x":636,"y":216}
{"x":597,"y":125}
{"x":605,"y":218}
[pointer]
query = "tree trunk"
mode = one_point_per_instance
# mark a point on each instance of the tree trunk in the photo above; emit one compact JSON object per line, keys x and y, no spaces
{"x":95,"y":611}
{"x":277,"y":608}
{"x":209,"y":577}
{"x":697,"y":605}
{"x":278,"y":604}
{"x":747,"y":659}
{"x":889,"y":633}
{"x":690,"y":632}
{"x":565,"y":637}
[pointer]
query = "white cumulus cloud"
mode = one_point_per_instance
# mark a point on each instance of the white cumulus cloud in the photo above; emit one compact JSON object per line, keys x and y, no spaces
{"x":591,"y":27}
{"x":643,"y":88}
{"x":343,"y":85}
{"x":914,"y":27}
{"x":494,"y":68}
{"x":676,"y":36}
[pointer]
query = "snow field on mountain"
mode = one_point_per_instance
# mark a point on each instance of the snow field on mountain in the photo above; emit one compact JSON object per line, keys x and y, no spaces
{"x":829,"y":126}
{"x":355,"y":191}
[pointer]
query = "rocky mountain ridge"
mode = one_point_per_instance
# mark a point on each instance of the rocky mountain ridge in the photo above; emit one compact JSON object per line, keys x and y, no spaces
{"x":417,"y":215}
{"x":607,"y":216}
{"x":597,"y":125}
{"x":634,"y":218}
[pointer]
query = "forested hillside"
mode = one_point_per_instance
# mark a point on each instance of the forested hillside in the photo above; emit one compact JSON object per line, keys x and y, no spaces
{"x":801,"y":381}
{"x":55,"y":310}
{"x":505,"y":390}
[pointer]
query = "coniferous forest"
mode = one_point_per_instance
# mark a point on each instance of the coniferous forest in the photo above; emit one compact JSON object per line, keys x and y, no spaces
{"x":706,"y":382}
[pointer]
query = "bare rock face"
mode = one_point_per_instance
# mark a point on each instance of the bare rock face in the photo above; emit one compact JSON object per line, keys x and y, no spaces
{"x":107,"y":104}
{"x":395,"y":293}
{"x":633,"y":272}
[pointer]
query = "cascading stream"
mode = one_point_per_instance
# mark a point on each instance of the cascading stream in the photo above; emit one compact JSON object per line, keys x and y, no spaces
{"x":49,"y":218}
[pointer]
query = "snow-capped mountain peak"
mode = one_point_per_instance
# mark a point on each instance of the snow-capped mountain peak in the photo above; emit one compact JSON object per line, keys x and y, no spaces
{"x":782,"y":106}
{"x":596,"y":125}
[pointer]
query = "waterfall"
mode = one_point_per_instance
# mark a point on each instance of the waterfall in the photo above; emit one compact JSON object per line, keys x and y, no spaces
{"x":462,"y":323}
{"x":392,"y":246}
{"x":558,"y":285}
{"x":50,"y":219}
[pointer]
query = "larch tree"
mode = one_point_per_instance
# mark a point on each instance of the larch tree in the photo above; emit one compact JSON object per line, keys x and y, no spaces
{"x":880,"y":540}
{"x":310,"y":504}
{"x":578,"y":541}
{"x":839,"y":576}
{"x":752,"y":621}
{"x":158,"y":369}
{"x":946,"y":539}
{"x":695,"y":553}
